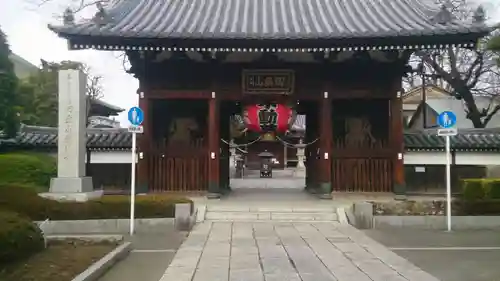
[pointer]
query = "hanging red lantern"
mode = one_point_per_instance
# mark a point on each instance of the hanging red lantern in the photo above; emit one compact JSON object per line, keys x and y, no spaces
{"x":269,"y":118}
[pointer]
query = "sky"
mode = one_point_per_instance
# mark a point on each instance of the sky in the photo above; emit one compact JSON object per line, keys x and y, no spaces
{"x":25,"y":24}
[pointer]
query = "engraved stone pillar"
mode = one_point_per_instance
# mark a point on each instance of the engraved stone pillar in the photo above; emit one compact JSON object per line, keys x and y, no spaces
{"x":71,"y":182}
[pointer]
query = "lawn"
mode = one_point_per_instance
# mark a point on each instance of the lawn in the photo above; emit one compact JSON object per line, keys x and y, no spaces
{"x":61,"y":261}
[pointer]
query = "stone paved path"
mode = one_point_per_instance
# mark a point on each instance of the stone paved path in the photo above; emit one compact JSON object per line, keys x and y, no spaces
{"x":275,"y":251}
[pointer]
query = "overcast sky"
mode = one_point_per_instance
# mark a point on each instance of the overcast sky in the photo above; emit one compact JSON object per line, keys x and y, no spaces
{"x":26,"y":27}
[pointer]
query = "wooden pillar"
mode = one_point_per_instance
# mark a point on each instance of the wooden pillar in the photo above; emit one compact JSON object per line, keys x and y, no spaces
{"x":397,"y":137}
{"x":213,"y":147}
{"x":144,"y":145}
{"x":325,"y":147}
{"x":225,"y":155}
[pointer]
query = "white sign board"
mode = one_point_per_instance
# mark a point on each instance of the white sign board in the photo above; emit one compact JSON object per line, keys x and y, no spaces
{"x":136,"y":129}
{"x":419,"y":169}
{"x":447,"y":132}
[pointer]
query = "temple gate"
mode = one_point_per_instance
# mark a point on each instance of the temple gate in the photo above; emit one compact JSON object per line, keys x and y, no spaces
{"x":343,"y":73}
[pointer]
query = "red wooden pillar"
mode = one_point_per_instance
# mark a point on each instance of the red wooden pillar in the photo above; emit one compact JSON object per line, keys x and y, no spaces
{"x":325,"y":147}
{"x":213,"y":147}
{"x":143,"y":145}
{"x":397,"y":136}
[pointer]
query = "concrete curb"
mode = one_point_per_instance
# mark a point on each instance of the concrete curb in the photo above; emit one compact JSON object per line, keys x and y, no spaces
{"x":201,"y":210}
{"x":425,"y":222}
{"x":101,"y":226}
{"x":97,"y":269}
{"x":437,"y":222}
{"x":87,"y":237}
{"x":342,"y":216}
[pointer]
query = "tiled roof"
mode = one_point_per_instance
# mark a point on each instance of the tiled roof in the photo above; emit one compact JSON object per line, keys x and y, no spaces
{"x":270,"y":19}
{"x":105,"y":139}
{"x":46,"y":137}
{"x":467,"y":139}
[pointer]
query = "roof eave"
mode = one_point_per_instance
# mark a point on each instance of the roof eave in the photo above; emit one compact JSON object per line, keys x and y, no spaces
{"x":100,"y":41}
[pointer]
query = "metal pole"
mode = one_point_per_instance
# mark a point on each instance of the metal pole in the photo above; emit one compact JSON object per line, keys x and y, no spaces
{"x":132,"y":185}
{"x":448,"y":183}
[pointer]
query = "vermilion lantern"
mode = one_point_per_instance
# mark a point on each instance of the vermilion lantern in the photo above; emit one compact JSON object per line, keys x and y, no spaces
{"x":263,"y":118}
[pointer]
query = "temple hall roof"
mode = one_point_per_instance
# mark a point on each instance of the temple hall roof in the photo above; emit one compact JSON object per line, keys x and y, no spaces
{"x":277,"y":20}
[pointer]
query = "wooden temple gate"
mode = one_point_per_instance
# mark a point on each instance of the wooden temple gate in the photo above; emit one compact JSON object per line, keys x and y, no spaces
{"x":193,"y":72}
{"x":357,"y":128}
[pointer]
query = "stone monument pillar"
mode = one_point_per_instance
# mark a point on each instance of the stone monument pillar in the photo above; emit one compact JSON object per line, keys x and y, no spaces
{"x":71,"y":182}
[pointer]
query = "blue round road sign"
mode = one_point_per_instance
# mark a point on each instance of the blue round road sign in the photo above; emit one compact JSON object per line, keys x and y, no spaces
{"x":447,"y":119}
{"x":135,"y":116}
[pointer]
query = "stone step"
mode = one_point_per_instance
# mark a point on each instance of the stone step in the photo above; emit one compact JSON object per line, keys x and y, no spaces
{"x":278,"y":209}
{"x":270,"y":216}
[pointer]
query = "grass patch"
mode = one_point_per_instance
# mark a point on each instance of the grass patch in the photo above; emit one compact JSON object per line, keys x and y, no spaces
{"x":60,"y":261}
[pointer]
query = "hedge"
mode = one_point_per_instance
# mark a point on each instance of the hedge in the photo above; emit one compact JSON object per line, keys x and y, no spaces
{"x":480,"y":189}
{"x":27,"y":202}
{"x":19,"y":237}
{"x":30,"y":169}
{"x":479,"y":197}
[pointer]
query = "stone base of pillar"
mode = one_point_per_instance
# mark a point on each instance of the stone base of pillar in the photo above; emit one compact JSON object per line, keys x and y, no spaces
{"x":213,"y":190}
{"x":298,"y":172}
{"x":399,"y":191}
{"x":325,"y":190}
{"x":72,"y":189}
{"x":71,"y":185}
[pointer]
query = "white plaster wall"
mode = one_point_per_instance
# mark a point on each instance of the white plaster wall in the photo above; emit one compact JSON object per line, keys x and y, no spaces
{"x":461,"y":158}
{"x":410,"y":158}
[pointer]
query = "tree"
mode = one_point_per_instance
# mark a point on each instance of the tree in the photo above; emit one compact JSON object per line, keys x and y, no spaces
{"x":39,"y":92}
{"x":465,"y":73}
{"x":494,"y":46}
{"x":9,"y":122}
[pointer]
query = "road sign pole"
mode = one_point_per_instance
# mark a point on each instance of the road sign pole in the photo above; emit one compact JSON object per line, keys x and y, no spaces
{"x":135,"y":117}
{"x":447,"y":120}
{"x":448,"y":183}
{"x":132,"y":185}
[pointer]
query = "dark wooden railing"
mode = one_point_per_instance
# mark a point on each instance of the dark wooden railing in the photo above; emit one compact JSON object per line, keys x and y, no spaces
{"x":362,"y":167}
{"x":362,"y":174}
{"x":181,"y":167}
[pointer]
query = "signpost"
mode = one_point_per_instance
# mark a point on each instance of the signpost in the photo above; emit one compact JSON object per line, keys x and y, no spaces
{"x":447,"y":120}
{"x":135,"y":117}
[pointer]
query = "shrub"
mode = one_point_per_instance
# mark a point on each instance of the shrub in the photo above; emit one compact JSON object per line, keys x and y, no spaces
{"x":473,"y":189}
{"x":19,"y":237}
{"x":29,"y":169}
{"x":494,"y":189}
{"x":27,"y":202}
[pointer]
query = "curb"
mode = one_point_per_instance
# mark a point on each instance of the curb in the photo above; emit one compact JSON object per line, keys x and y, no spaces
{"x":342,"y":215}
{"x":87,"y":237}
{"x":201,"y":211}
{"x":97,"y":269}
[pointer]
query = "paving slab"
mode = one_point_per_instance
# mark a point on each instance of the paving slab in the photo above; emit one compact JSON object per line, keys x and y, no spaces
{"x":462,"y":255}
{"x":150,"y":257}
{"x":302,"y":251}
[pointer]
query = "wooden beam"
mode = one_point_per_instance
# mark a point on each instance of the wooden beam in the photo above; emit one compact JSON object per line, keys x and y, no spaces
{"x":178,"y":94}
{"x":213,"y":147}
{"x":397,"y":140}
{"x":144,"y":144}
{"x":325,"y":144}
